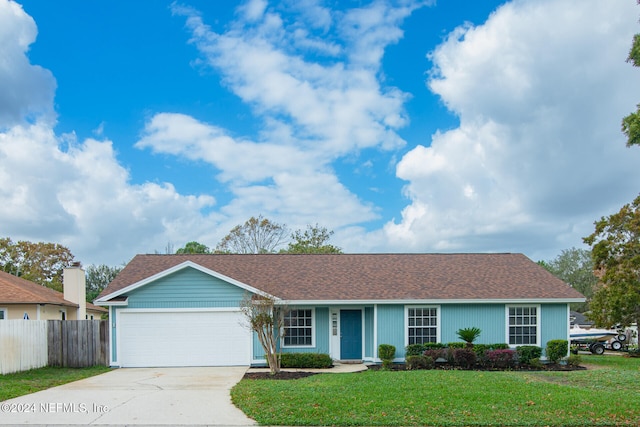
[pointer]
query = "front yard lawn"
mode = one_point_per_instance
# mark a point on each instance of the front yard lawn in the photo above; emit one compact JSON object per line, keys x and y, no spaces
{"x":21,"y":383}
{"x":605,"y":395}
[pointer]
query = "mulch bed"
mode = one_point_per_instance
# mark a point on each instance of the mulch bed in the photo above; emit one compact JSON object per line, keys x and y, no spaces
{"x":282,"y":375}
{"x":287,"y":375}
{"x":447,"y":367}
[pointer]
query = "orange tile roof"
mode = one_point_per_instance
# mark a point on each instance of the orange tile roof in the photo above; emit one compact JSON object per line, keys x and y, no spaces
{"x":371,"y":277}
{"x":15,"y":290}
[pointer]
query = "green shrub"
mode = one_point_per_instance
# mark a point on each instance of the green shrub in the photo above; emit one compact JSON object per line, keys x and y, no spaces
{"x":574,"y":360}
{"x":419,"y":362}
{"x":433,"y":345}
{"x":536,"y":363}
{"x":556,"y":350}
{"x":457,"y":345}
{"x":501,"y":346}
{"x":415,"y":349}
{"x":464,"y":357}
{"x":386,"y":352}
{"x":469,"y":335}
{"x":305,"y":360}
{"x":528,"y":352}
{"x":634,"y":351}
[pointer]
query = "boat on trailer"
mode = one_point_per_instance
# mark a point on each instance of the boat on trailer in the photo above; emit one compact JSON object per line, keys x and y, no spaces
{"x":596,"y":340}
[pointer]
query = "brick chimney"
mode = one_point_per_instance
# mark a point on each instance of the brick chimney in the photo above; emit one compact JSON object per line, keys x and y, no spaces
{"x":74,"y":285}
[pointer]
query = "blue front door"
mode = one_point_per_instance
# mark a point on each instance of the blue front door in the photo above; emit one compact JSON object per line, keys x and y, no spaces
{"x":350,"y":334}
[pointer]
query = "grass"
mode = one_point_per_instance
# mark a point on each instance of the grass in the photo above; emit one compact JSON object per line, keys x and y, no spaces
{"x":605,"y":395}
{"x":21,"y":383}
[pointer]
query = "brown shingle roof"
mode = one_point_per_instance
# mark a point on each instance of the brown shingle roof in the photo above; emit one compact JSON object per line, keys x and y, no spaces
{"x":369,"y":276}
{"x":15,"y":290}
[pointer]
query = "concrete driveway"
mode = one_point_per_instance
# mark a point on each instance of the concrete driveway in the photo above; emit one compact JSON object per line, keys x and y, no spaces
{"x":130,"y":396}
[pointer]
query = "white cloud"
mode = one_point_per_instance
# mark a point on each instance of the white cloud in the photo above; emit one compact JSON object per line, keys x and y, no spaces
{"x":540,"y":90}
{"x":26,"y":90}
{"x":83,"y":199}
{"x":336,"y":107}
{"x":313,"y":111}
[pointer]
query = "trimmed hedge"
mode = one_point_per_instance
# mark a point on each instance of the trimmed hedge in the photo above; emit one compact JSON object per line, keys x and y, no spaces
{"x":526,"y":353}
{"x":556,"y":350}
{"x":386,"y":352}
{"x":305,"y":360}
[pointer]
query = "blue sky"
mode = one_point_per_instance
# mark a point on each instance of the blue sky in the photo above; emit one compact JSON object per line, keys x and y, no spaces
{"x":404,"y":126}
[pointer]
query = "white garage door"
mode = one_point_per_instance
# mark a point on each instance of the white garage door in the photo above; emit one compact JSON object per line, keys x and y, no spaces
{"x":182,"y":338}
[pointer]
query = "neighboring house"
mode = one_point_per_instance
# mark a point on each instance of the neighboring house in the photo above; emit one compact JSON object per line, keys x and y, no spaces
{"x":183,"y":310}
{"x":23,"y":299}
{"x":579,"y":319}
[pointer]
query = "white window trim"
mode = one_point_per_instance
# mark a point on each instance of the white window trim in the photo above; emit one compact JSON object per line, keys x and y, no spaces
{"x":438,"y":320}
{"x":538,"y":323}
{"x":313,"y":330}
{"x":5,"y":313}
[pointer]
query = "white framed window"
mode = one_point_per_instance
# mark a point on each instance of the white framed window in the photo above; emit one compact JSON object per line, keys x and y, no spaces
{"x":299,"y":328}
{"x":523,"y":325}
{"x":3,"y":314}
{"x":423,"y":324}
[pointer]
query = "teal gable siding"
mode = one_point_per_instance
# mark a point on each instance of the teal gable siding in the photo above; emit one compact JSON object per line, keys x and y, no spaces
{"x":391,"y":327}
{"x":490,"y":318}
{"x":187,"y":288}
{"x":554,"y":323}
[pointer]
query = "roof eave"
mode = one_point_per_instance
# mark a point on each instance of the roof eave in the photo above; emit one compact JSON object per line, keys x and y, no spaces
{"x":435,"y":301}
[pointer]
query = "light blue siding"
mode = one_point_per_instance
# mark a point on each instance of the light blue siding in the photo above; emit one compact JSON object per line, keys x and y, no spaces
{"x":391,"y":325}
{"x":112,"y":321}
{"x":187,"y":288}
{"x":490,"y":318}
{"x":553,"y":318}
{"x":321,"y":342}
{"x":368,"y":332}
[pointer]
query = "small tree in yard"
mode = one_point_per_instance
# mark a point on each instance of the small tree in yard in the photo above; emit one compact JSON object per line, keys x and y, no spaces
{"x":469,"y":335}
{"x":267,"y":321}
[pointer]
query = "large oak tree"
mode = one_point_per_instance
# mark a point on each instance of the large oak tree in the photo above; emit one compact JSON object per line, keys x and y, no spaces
{"x":40,"y":262}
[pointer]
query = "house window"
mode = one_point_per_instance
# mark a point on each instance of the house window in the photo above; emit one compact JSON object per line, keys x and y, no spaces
{"x":422,"y":325}
{"x":3,"y":314}
{"x":523,"y":325}
{"x":298,"y":328}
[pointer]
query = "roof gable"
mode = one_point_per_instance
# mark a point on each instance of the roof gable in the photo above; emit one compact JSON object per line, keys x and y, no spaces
{"x":104,"y":297}
{"x":362,"y":277}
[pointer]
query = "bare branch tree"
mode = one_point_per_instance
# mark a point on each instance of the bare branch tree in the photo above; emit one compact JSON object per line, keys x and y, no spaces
{"x":267,"y":321}
{"x":256,"y":236}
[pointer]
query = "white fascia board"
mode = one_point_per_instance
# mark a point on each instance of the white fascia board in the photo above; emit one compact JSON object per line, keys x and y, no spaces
{"x":182,"y":266}
{"x":112,"y":303}
{"x":432,"y":301}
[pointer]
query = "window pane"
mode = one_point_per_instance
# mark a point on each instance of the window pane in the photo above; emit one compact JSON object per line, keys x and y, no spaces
{"x":523,"y":325}
{"x":298,"y":327}
{"x":421,"y":323}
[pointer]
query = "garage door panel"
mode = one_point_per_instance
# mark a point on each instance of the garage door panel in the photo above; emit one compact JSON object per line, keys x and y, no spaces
{"x":183,"y":339}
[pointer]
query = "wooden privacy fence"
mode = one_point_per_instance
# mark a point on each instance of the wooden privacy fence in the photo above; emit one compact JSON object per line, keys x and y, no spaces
{"x":29,"y":344}
{"x":77,"y":343}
